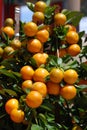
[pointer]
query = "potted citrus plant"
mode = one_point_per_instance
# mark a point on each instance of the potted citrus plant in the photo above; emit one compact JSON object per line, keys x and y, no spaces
{"x":43,"y":73}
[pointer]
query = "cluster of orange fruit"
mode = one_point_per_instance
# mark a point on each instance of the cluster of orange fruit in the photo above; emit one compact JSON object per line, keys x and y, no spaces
{"x":8,"y":31}
{"x":35,"y":80}
{"x":12,"y":108}
{"x":37,"y":88}
{"x":71,"y":39}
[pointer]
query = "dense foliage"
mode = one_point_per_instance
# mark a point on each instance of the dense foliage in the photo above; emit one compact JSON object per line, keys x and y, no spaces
{"x":57,"y":111}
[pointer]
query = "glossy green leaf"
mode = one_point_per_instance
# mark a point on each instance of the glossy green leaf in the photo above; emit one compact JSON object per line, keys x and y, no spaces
{"x":36,"y":127}
{"x":30,"y":6}
{"x":10,"y":92}
{"x":7,"y":73}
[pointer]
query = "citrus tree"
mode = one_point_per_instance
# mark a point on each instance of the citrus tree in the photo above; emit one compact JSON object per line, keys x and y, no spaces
{"x":43,"y":73}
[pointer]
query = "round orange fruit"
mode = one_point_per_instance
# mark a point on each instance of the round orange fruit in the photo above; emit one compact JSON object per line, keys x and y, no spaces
{"x":27,"y":72}
{"x":40,"y":6}
{"x":8,"y":31}
{"x":56,"y":75}
{"x":40,"y":87}
{"x":38,"y":17}
{"x":42,"y":35}
{"x":68,"y":92}
{"x":34,"y":46}
{"x":9,"y":22}
{"x":73,"y":49}
{"x":16,"y":44}
{"x":60,"y":19}
{"x":72,"y":37}
{"x":27,"y":84}
{"x":70,"y":76}
{"x":34,"y":99}
{"x":40,"y":75}
{"x":70,"y":27}
{"x":17,"y":115}
{"x":53,"y":88}
{"x":40,"y":58}
{"x":30,"y":29}
{"x":11,"y":104}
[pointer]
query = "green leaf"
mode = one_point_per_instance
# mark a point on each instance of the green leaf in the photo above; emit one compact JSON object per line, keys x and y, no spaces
{"x":81,"y":102}
{"x":2,"y":92}
{"x":2,"y":115}
{"x":49,"y":12}
{"x":2,"y":44}
{"x":81,"y":87}
{"x":7,"y":73}
{"x":47,"y":106}
{"x":65,"y":11}
{"x":66,"y":58}
{"x":30,"y":6}
{"x":32,"y":62}
{"x":84,"y":66}
{"x":81,"y":34}
{"x":36,"y":127}
{"x":10,"y":92}
{"x":49,"y":127}
{"x":16,"y":74}
{"x":48,"y":2}
{"x":42,"y":117}
{"x":71,"y":65}
{"x":73,"y":17}
{"x":59,"y":61}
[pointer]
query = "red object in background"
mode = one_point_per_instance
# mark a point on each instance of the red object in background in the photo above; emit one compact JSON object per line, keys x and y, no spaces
{"x":9,"y":11}
{"x":6,"y":10}
{"x":59,"y":4}
{"x":1,"y":13}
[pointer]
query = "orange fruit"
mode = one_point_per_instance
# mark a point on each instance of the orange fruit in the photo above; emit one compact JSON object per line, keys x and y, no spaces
{"x":56,"y":75}
{"x":74,"y":49}
{"x":27,"y":72}
{"x":38,"y":17}
{"x":72,"y":37}
{"x":76,"y":127}
{"x":9,"y":22}
{"x":34,"y":99}
{"x":40,"y":58}
{"x":30,"y":29}
{"x":68,"y":92}
{"x":34,"y":46}
{"x":17,"y":116}
{"x":40,"y":87}
{"x":27,"y":84}
{"x":8,"y":31}
{"x":40,"y":74}
{"x":11,"y":104}
{"x":70,"y":76}
{"x":60,"y":19}
{"x":62,"y":52}
{"x":8,"y":50}
{"x":40,"y":6}
{"x":16,"y":44}
{"x":42,"y":35}
{"x":1,"y":51}
{"x":53,"y":88}
{"x":70,"y":27}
